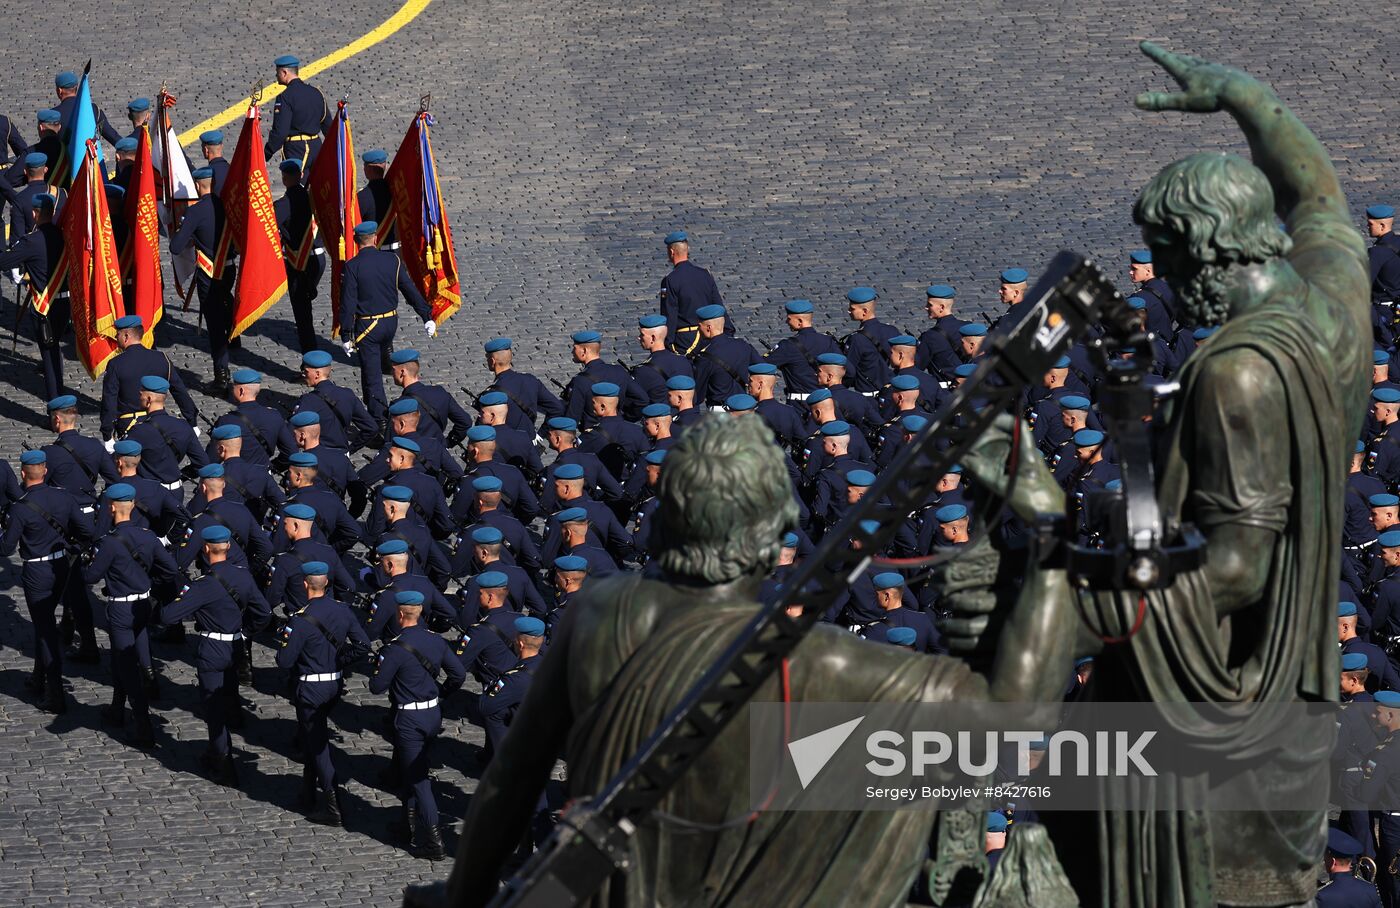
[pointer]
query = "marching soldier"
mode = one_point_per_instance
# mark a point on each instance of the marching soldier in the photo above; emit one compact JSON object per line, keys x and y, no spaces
{"x":157,"y":508}
{"x":211,"y":147}
{"x":405,"y":420}
{"x":75,"y":462}
{"x":796,"y":356}
{"x":1343,"y":888}
{"x":570,"y":571}
{"x":166,"y":440}
{"x":868,"y":347}
{"x":334,"y":523}
{"x":332,"y":465}
{"x":518,"y":447}
{"x":37,"y":254}
{"x":437,"y":408}
{"x":661,"y":364}
{"x":251,"y":546}
{"x":487,"y":551}
{"x":294,"y":220}
{"x":487,"y":645}
{"x":487,"y":510}
{"x":36,"y":169}
{"x":374,"y":199}
{"x":66,"y":87}
{"x":587,"y":352}
{"x":395,"y":506}
{"x":528,"y":396}
{"x":683,"y":291}
{"x":248,"y":483}
{"x":138,"y":111}
{"x":1157,"y":295}
{"x":259,"y":422}
{"x":48,"y":144}
{"x":500,"y":702}
{"x":370,"y":286}
{"x":429,"y":505}
{"x":394,"y":576}
{"x":286,"y":589}
{"x":722,"y":363}
{"x":937,"y":352}
{"x":407,"y":670}
{"x":299,"y":118}
{"x":1377,"y":787}
{"x":344,"y":421}
{"x":121,"y":383}
{"x":201,"y":228}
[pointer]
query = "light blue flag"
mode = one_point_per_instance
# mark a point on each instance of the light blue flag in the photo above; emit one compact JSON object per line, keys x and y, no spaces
{"x":81,"y":126}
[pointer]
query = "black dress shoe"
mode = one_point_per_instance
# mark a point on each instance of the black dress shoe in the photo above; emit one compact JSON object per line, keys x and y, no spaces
{"x":56,"y":702}
{"x":427,"y":843}
{"x":142,"y":735}
{"x":327,"y":812}
{"x":152,"y":684}
{"x":34,"y":683}
{"x":113,"y":716}
{"x":224,"y":772}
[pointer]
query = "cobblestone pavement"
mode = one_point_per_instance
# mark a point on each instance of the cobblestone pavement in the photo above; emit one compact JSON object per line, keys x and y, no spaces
{"x":806,"y":147}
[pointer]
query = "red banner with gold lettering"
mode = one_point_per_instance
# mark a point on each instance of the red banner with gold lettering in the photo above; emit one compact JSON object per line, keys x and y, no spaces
{"x":250,"y":224}
{"x":90,"y":264}
{"x":140,"y":260}
{"x":417,"y":210}
{"x":331,"y":185}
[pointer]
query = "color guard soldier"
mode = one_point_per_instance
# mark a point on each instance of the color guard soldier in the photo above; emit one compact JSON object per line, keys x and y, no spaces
{"x":66,"y":87}
{"x":299,"y":118}
{"x":121,"y":383}
{"x":37,"y":255}
{"x":683,"y":291}
{"x":294,"y":219}
{"x":201,"y":228}
{"x":374,"y":199}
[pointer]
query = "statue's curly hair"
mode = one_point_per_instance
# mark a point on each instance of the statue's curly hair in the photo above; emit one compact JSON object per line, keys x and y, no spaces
{"x":725,"y":501}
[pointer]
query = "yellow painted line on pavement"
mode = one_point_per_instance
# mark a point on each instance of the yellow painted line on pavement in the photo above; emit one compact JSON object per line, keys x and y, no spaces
{"x":406,"y":14}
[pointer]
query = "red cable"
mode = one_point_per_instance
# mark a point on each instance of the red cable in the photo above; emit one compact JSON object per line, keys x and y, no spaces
{"x":1137,"y":624}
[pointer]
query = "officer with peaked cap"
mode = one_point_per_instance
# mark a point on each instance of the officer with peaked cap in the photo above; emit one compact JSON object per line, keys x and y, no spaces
{"x":796,"y":356}
{"x":529,"y":398}
{"x":201,"y":228}
{"x":299,"y":118}
{"x":344,"y":421}
{"x":37,"y":255}
{"x":683,"y":291}
{"x":295,"y":222}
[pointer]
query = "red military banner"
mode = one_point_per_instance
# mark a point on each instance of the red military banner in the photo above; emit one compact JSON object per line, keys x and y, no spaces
{"x":250,"y":224}
{"x":90,"y":264}
{"x":416,"y":209}
{"x":140,"y":260}
{"x":335,"y":204}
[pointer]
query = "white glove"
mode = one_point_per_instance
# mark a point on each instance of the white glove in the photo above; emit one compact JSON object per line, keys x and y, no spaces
{"x":430,"y":328}
{"x":198,"y":432}
{"x":349,"y":348}
{"x":110,"y":444}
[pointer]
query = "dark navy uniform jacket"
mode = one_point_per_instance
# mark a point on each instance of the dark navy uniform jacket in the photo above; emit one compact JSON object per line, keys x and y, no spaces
{"x":22,"y":205}
{"x":36,"y":254}
{"x":225,"y":600}
{"x":868,"y":354}
{"x":818,"y":461}
{"x":76,"y":463}
{"x":1161,"y":306}
{"x":403,"y":674}
{"x":1383,"y":673}
{"x":487,"y":646}
{"x":333,"y":524}
{"x":250,"y":541}
{"x":201,"y":227}
{"x":344,"y":419}
{"x":517,"y":448}
{"x":722,"y":368}
{"x":437,"y":409}
{"x":434,"y":458}
{"x":787,"y":424}
{"x":615,"y":431}
{"x":166,"y":440}
{"x":578,"y":395}
{"x":12,"y":140}
{"x":516,"y":539}
{"x":308,"y":651}
{"x":596,"y":478}
{"x":685,"y":289}
{"x":29,"y":527}
{"x":425,"y":552}
{"x":926,"y":636}
{"x":1344,"y":890}
{"x":249,"y":484}
{"x":300,"y":111}
{"x":9,"y":487}
{"x":370,"y":284}
{"x":220,"y":168}
{"x":657,"y":369}
{"x":286,"y":587}
{"x":269,"y":433}
{"x":796,"y":358}
{"x":937,"y":352}
{"x":48,"y":144}
{"x":527,"y":399}
{"x":131,"y":561}
{"x":1358,"y":529}
{"x":857,"y":409}
{"x":521,"y":593}
{"x":602,"y":527}
{"x":428,"y":507}
{"x":1384,"y":256}
{"x":829,"y":501}
{"x":516,"y":493}
{"x":333,"y":468}
{"x":104,"y":126}
{"x":382,"y":621}
{"x":374,"y":205}
{"x":157,"y":508}
{"x":501,"y":701}
{"x":121,"y":385}
{"x":294,"y":216}
{"x":600,"y":563}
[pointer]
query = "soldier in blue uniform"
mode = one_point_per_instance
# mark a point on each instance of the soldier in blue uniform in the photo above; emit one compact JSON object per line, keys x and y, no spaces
{"x":868,"y":347}
{"x":529,"y":398}
{"x":483,"y":460}
{"x":394,"y":574}
{"x":578,"y":394}
{"x":66,"y":87}
{"x":251,"y":546}
{"x":786,"y":421}
{"x":344,"y":421}
{"x":299,"y":118}
{"x":312,"y":640}
{"x":201,"y":228}
{"x":661,"y":364}
{"x":126,"y":159}
{"x":405,"y":417}
{"x":166,"y":440}
{"x":370,"y":286}
{"x":37,"y":254}
{"x":1383,"y":674}
{"x":429,"y":505}
{"x":134,"y":566}
{"x":407,"y":669}
{"x":605,"y":529}
{"x":138,"y":112}
{"x":441,"y":416}
{"x":570,"y":571}
{"x":250,"y":484}
{"x":487,"y":510}
{"x":334,"y":522}
{"x":211,"y":148}
{"x":397,"y":521}
{"x":21,"y":201}
{"x":487,"y":646}
{"x":332,"y":464}
{"x":374,"y":199}
{"x":937,"y":352}
{"x":562,"y":434}
{"x":722,"y":360}
{"x":903,"y":354}
{"x":645,"y":504}
{"x":518,"y":447}
{"x":260,"y":424}
{"x":226,"y":605}
{"x":488,"y":553}
{"x":501,"y":701}
{"x":48,"y":144}
{"x":45,"y":525}
{"x":286,"y":588}
{"x":157,"y":508}
{"x":683,"y":291}
{"x":796,"y":356}
{"x":11,"y":140}
{"x":618,"y":443}
{"x":889,"y":593}
{"x":1377,"y":786}
{"x":1343,"y":888}
{"x":121,"y":383}
{"x":571,"y":533}
{"x":1384,"y":256}
{"x":1013,"y":288}
{"x":680,"y":394}
{"x":1156,"y":294}
{"x":294,"y":219}
{"x":75,"y":462}
{"x":855,"y":407}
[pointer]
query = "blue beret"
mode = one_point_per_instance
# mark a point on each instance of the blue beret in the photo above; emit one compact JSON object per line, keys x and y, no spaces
{"x":49,"y":116}
{"x":367,"y":228}
{"x":652,"y":321}
{"x":1014,"y":276}
{"x":1140,"y":256}
{"x":655,"y":411}
{"x":568,"y":471}
{"x":399,"y":357}
{"x":1074,"y":402}
{"x":292,"y":166}
{"x":246,"y":377}
{"x":1390,"y":539}
{"x":1388,"y":698}
{"x":62,"y":402}
{"x":740,"y":402}
{"x":216,"y":534}
{"x":713,"y":310}
{"x":286,"y":60}
{"x":903,"y":340}
{"x":676,"y":236}
{"x":304,"y":459}
{"x":571,"y":515}
{"x":392,"y":547}
{"x":972,"y":329}
{"x":125,"y":144}
{"x":138,"y":105}
{"x":120,"y":491}
{"x":44,"y":200}
{"x":316,"y":359}
{"x":586,"y":337}
{"x":996,"y":821}
{"x":1386,"y":395}
{"x":1379,"y":357}
{"x":408,"y":597}
{"x":1342,"y":845}
{"x":225,"y":432}
{"x":798,"y":307}
{"x":115,"y":192}
{"x":831,"y":359}
{"x":487,"y":484}
{"x":957,"y":468}
{"x":529,"y":626}
{"x":315,"y":569}
{"x":869,"y":526}
{"x":66,"y":80}
{"x":1137,"y":302}
{"x":1383,"y":500}
{"x":375,"y":156}
{"x":656,"y":457}
{"x":562,"y":423}
{"x":36,"y":159}
{"x":680,"y":383}
{"x":154,"y":383}
{"x":1346,"y":609}
{"x":860,"y":295}
{"x":402,"y":406}
{"x":1201,"y":334}
{"x":493,"y":399}
{"x":901,"y":636}
{"x":397,"y":493}
{"x":203,"y":173}
{"x":1360,"y":447}
{"x":298,"y":511}
{"x":1083,"y":661}
{"x":819,"y":395}
{"x":965,"y":369}
{"x":492,"y":580}
{"x":790,"y":540}
{"x":941,"y":291}
{"x":571,"y":563}
{"x":407,"y":444}
{"x":836,"y":427}
{"x":913,"y":422}
{"x":1087,"y":438}
{"x":605,"y":389}
{"x":487,"y":535}
{"x":1113,"y":485}
{"x":1061,"y":363}
{"x":127,"y":448}
{"x":950,"y":512}
{"x":32,"y":458}
{"x":1380,"y":212}
{"x":904,"y":383}
{"x":212,"y":137}
{"x":497,"y":344}
{"x":763,"y":369}
{"x":888,"y":580}
{"x":481,"y":433}
{"x":860,"y":478}
{"x":1352,"y":662}
{"x":211,"y":471}
{"x":305,"y":418}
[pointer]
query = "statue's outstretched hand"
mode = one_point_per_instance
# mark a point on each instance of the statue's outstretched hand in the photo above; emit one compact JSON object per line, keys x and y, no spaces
{"x":1035,"y":491}
{"x":1204,"y":86}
